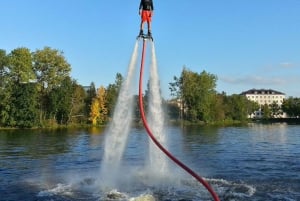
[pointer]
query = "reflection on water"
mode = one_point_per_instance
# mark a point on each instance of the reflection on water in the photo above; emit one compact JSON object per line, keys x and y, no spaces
{"x":271,"y":133}
{"x":258,"y":162}
{"x":209,"y":133}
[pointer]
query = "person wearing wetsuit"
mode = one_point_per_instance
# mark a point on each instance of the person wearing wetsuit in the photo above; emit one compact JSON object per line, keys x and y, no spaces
{"x":146,"y":12}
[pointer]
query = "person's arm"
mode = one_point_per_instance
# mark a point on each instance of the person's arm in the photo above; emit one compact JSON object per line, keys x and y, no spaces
{"x":140,"y":8}
{"x":152,"y":7}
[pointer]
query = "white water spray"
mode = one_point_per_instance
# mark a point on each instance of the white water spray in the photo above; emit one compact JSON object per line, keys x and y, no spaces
{"x":118,"y":130}
{"x":157,"y":160}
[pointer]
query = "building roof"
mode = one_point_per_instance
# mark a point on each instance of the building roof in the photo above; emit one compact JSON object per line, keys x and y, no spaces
{"x":262,"y":91}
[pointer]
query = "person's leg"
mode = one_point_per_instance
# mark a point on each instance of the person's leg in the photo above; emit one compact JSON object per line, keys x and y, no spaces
{"x":143,"y":19}
{"x":149,"y":26}
{"x":141,"y":27}
{"x":149,"y":22}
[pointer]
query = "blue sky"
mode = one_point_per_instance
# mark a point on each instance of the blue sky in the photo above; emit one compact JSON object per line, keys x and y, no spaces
{"x":246,"y":43}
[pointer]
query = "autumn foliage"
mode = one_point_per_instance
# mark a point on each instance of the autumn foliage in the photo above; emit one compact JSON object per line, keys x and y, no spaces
{"x":98,"y":114}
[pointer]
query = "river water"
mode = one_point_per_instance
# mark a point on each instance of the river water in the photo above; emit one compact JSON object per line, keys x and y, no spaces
{"x":256,"y":162}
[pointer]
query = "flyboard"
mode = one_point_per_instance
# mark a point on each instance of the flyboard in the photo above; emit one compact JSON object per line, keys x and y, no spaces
{"x":145,"y":37}
{"x":149,"y":131}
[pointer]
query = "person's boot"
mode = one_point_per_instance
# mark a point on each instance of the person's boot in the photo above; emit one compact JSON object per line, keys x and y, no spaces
{"x":149,"y":34}
{"x":141,"y":32}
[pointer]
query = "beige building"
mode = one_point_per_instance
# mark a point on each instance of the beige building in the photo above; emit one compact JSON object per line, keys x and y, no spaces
{"x":264,"y":96}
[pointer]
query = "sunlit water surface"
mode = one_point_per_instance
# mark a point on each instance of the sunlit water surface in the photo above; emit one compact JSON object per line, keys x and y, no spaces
{"x":258,"y":162}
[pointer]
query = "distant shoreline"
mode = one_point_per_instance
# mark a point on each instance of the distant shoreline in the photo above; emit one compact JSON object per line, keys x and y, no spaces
{"x":224,"y":123}
{"x":278,"y":120}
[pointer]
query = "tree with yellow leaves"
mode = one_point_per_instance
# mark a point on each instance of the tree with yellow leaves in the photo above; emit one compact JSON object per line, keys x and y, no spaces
{"x":101,"y":95}
{"x":98,"y":114}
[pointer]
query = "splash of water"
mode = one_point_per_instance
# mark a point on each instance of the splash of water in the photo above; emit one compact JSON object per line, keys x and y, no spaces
{"x":118,"y":130}
{"x":157,"y":160}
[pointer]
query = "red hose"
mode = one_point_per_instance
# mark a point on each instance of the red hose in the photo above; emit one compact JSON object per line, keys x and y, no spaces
{"x":182,"y":165}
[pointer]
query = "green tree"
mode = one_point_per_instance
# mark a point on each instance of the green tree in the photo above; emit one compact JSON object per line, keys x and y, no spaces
{"x":112,"y":92}
{"x":238,"y":107}
{"x":291,"y":107}
{"x":197,"y":92}
{"x":287,"y":107}
{"x":24,"y":110}
{"x":77,"y":103}
{"x":59,"y":103}
{"x":3,"y":66}
{"x":5,"y":89}
{"x":18,"y":92}
{"x":275,"y":110}
{"x":20,"y":66}
{"x":51,"y":69}
{"x":266,"y":111}
{"x":217,"y":108}
{"x":90,"y":95}
{"x":252,"y":106}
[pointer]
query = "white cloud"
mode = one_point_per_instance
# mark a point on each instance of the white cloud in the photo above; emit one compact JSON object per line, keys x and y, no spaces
{"x":235,"y":84}
{"x":278,"y":68}
{"x":254,"y":80}
{"x":286,"y":65}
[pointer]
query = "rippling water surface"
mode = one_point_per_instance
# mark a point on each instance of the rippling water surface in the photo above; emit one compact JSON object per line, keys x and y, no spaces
{"x":258,"y":162}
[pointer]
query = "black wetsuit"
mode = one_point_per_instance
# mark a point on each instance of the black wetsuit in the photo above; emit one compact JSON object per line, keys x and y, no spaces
{"x":146,"y":5}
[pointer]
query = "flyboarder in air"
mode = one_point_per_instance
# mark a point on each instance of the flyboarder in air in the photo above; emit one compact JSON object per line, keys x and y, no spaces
{"x":146,"y":12}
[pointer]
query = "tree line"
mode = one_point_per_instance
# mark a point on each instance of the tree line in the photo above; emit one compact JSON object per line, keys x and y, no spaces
{"x":36,"y":90}
{"x":199,"y":100}
{"x":196,"y":99}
